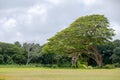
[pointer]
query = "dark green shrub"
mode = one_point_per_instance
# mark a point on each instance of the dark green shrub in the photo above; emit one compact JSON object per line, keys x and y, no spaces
{"x":108,"y":66}
{"x":54,"y":66}
{"x":1,"y":59}
{"x":117,"y":65}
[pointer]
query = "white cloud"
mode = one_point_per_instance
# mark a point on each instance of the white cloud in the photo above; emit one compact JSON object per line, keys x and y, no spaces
{"x":116,"y":27}
{"x":18,"y":34}
{"x":25,"y":19}
{"x":55,"y":2}
{"x":29,"y":19}
{"x":1,"y":35}
{"x":2,"y":20}
{"x":37,"y":10}
{"x":8,"y":24}
{"x":89,"y":2}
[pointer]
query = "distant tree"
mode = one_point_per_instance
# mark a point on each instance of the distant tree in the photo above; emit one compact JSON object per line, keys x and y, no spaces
{"x":48,"y":58}
{"x":106,"y":50}
{"x":116,"y":52}
{"x":7,"y":50}
{"x":19,"y":58}
{"x":116,"y":56}
{"x":116,"y":43}
{"x":17,"y":43}
{"x":32,"y":51}
{"x":83,"y":36}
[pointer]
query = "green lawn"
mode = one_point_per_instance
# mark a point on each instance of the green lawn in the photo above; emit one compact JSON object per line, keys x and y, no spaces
{"x":58,"y":74}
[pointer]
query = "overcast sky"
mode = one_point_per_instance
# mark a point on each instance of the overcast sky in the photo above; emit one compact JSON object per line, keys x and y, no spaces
{"x":38,"y":20}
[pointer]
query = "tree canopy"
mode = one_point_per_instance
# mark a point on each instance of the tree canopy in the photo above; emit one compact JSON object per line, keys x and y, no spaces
{"x":82,"y":36}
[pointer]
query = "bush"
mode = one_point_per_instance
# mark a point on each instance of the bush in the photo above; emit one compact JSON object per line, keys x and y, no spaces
{"x":39,"y":65}
{"x":108,"y":66}
{"x":54,"y":66}
{"x":117,"y":65}
{"x":64,"y":65}
{"x":90,"y":67}
{"x":82,"y":64}
{"x":19,"y":59}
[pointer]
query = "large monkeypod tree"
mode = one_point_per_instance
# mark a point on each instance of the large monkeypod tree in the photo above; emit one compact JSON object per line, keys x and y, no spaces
{"x":82,"y":37}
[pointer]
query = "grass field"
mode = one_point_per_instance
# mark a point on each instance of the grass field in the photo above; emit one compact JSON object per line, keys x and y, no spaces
{"x":58,"y":74}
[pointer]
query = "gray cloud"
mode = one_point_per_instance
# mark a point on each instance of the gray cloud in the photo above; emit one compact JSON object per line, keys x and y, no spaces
{"x":38,"y":20}
{"x":11,"y":4}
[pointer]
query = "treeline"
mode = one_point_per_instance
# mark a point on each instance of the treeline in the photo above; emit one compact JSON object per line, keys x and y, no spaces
{"x":86,"y":42}
{"x":30,"y":53}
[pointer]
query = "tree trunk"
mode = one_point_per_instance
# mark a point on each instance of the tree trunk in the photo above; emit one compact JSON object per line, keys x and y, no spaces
{"x":27,"y":62}
{"x":28,"y":58}
{"x":97,"y":56}
{"x":98,"y":59}
{"x":74,"y":60}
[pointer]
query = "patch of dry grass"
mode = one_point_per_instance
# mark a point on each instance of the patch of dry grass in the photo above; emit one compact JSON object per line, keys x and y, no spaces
{"x":58,"y":74}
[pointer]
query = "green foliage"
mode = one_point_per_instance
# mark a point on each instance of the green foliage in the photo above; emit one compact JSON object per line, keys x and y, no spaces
{"x":108,"y":66}
{"x":106,"y":51}
{"x":19,"y":58}
{"x":1,"y":59}
{"x":7,"y":51}
{"x":82,"y":66}
{"x":64,"y":61}
{"x":116,"y":64}
{"x":17,"y":44}
{"x":9,"y":60}
{"x":48,"y":58}
{"x":90,"y":67}
{"x":116,"y":56}
{"x":117,"y":51}
{"x":116,"y":43}
{"x":80,"y":36}
{"x":17,"y":66}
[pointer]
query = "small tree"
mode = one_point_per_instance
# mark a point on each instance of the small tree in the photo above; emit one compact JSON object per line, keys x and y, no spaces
{"x":32,"y":51}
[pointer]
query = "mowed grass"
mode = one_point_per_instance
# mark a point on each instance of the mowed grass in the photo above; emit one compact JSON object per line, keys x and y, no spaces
{"x":58,"y":74}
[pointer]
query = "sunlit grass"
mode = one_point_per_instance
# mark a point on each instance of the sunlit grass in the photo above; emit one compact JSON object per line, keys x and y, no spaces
{"x":58,"y":74}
